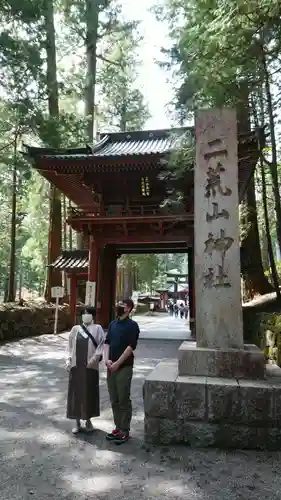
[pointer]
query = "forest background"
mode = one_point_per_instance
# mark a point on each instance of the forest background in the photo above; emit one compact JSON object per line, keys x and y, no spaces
{"x":68,"y":70}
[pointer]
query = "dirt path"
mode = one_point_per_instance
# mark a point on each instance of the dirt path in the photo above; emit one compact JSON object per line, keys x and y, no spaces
{"x":39,"y":458}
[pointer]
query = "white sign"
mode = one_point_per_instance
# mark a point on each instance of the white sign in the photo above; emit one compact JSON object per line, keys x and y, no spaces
{"x":90,"y":299}
{"x":57,"y":292}
{"x":135,"y":298}
{"x":68,"y":286}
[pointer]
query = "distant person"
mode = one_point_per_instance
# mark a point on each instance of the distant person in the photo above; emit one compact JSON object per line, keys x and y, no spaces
{"x":85,"y":347}
{"x":181,"y":308}
{"x":176,"y":310}
{"x":186,"y":311}
{"x":171,"y":309}
{"x":121,"y":341}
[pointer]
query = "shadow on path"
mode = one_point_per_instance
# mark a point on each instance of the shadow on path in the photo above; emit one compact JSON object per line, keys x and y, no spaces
{"x":41,"y":459}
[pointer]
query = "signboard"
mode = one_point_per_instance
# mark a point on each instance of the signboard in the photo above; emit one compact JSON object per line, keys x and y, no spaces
{"x":90,"y":299}
{"x":135,"y":298}
{"x":57,"y":292}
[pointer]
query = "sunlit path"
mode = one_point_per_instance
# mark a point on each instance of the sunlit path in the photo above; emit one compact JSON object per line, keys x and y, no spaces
{"x":162,"y":326}
{"x":40,"y":459}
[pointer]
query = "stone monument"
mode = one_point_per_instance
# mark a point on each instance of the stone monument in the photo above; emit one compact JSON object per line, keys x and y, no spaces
{"x":218,"y":392}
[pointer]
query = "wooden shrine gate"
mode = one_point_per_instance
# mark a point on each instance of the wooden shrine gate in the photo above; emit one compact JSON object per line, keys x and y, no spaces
{"x":122,"y":189}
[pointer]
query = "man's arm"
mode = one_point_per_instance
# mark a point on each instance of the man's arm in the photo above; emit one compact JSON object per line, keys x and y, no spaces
{"x":106,"y":353}
{"x":126,"y":354}
{"x":129,"y":350}
{"x":106,"y":346}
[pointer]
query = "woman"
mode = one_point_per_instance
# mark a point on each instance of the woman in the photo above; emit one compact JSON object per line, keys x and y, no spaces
{"x":85,"y":347}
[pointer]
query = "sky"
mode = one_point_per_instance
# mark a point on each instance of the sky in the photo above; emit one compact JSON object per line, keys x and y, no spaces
{"x":152,"y":79}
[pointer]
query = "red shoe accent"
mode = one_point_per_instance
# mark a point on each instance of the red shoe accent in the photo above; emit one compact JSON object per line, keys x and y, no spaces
{"x":121,"y":438}
{"x":115,"y":432}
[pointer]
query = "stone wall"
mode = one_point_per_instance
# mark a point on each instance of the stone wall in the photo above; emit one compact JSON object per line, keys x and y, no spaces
{"x":31,"y":319}
{"x":264,"y":330}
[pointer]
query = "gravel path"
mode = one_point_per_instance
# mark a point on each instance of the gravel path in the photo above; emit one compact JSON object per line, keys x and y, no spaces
{"x":39,"y":458}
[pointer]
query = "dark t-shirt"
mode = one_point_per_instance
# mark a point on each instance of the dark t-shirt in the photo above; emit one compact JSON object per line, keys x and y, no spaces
{"x":120,"y":335}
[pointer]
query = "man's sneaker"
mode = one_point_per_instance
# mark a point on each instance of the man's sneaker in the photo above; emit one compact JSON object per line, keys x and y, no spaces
{"x":121,"y":438}
{"x":112,"y":435}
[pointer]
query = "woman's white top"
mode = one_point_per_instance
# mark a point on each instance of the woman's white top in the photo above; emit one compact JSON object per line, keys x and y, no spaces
{"x":93,"y":353}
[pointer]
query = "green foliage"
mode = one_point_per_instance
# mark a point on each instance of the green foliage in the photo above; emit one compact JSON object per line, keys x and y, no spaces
{"x":150,"y":269}
{"x":121,"y":103}
{"x":25,"y":118}
{"x":217,"y":47}
{"x":227,"y":53}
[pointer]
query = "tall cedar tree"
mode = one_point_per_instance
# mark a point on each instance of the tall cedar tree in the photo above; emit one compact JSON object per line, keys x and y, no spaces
{"x":55,"y":229}
{"x":215,"y":51}
{"x":122,"y":109}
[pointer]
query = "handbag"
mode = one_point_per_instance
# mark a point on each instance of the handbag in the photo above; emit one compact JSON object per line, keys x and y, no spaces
{"x":92,"y":339}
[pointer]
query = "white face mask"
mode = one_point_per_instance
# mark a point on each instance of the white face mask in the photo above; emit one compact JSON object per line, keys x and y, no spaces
{"x":87,"y":319}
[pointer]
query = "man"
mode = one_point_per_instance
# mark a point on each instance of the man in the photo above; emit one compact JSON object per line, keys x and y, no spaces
{"x":120,"y":343}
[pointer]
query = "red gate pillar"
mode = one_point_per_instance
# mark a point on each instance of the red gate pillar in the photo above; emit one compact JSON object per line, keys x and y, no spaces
{"x":99,"y":294}
{"x":94,"y":253}
{"x":107,"y":290}
{"x":73,"y":298}
{"x":113,"y":285}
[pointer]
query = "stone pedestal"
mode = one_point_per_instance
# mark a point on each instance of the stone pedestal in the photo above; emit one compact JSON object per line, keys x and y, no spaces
{"x":245,"y":363}
{"x":218,"y":392}
{"x":212,"y":411}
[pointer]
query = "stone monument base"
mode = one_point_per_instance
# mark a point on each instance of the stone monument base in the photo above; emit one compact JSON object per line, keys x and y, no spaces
{"x":230,"y":363}
{"x":209,"y":411}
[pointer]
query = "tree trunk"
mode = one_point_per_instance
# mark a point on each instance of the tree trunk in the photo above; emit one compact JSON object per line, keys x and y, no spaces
{"x":54,"y":277}
{"x":128,"y":278}
{"x":11,"y":286}
{"x":134,"y":278}
{"x":52,"y":83}
{"x":55,"y":229}
{"x":122,"y":280}
{"x":273,"y":165}
{"x":269,"y":240}
{"x":92,"y":17}
{"x":255,"y":282}
{"x":20,"y":280}
{"x":264,"y":249}
{"x":251,"y":263}
{"x":123,"y":118}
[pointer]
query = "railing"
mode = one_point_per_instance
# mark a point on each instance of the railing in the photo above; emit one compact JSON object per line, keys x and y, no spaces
{"x":123,"y":211}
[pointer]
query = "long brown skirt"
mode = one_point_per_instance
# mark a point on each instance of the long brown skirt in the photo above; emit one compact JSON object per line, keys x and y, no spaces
{"x":83,"y":401}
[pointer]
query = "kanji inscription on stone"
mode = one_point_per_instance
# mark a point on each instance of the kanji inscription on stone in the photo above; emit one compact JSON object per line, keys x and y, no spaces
{"x":212,"y":280}
{"x":221,"y":244}
{"x":214,"y":183}
{"x":223,"y":214}
{"x":222,"y":278}
{"x":216,"y":230}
